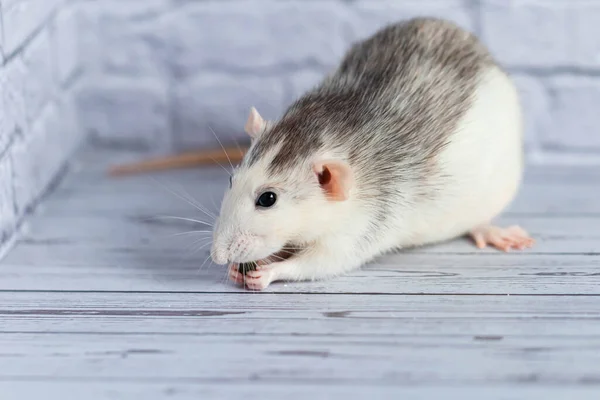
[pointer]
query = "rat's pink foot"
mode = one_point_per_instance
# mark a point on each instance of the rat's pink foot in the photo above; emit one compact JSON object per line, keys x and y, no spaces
{"x":254,"y":280}
{"x":235,"y":275}
{"x":261,"y":278}
{"x":513,"y":237}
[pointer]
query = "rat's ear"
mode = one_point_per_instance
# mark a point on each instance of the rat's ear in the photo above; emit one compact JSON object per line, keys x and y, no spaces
{"x":255,"y":125}
{"x":336,"y":179}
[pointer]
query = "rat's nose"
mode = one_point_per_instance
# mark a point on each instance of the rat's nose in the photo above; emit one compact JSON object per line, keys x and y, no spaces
{"x":219,"y":256}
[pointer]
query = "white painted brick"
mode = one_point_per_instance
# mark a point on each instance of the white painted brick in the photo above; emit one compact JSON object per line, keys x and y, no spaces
{"x":10,"y":3}
{"x":7,"y":209}
{"x":575,"y":114}
{"x":585,"y":36}
{"x":22,"y":18}
{"x":5,"y":136}
{"x":247,"y":34}
{"x":373,"y":15}
{"x":222,"y":102}
{"x":89,"y":46}
{"x":12,"y":99}
{"x":543,"y":33}
{"x":525,"y":34}
{"x":133,"y":50}
{"x":38,"y":124}
{"x":65,"y":42}
{"x":134,"y":112}
{"x":536,"y":113}
{"x":33,"y":163}
{"x":131,"y":10}
{"x":39,"y":83}
{"x":39,"y":156}
{"x":126,"y":38}
{"x":1,"y":38}
{"x":7,"y":125}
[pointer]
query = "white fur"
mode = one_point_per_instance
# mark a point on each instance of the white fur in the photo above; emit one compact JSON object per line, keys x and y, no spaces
{"x":484,"y":162}
{"x":482,"y":168}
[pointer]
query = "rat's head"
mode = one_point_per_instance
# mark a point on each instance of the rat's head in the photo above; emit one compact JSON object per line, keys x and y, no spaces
{"x":266,"y":209}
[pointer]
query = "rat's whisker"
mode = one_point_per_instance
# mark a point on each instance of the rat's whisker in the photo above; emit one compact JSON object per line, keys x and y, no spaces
{"x":275,"y":258}
{"x":235,"y":140}
{"x":290,"y":250}
{"x":187,"y":233}
{"x":196,"y":242}
{"x":237,"y":144}
{"x":220,"y":165}
{"x":189,"y":253}
{"x":193,"y":204}
{"x":199,"y":205}
{"x":197,"y":250}
{"x":185,"y":219}
{"x":204,"y":242}
{"x":199,"y":246}
{"x":199,"y":269}
{"x":226,"y":276}
{"x":255,"y":268}
{"x":214,"y":202}
{"x":224,"y":151}
{"x":190,"y":199}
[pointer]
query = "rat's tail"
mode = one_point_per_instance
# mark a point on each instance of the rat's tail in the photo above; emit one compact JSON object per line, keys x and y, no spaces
{"x":184,"y":160}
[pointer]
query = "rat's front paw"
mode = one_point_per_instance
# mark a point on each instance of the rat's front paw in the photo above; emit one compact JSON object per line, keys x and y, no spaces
{"x":235,"y":275}
{"x":259,"y":279}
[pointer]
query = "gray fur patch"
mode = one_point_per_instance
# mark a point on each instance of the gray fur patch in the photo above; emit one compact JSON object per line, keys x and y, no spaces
{"x":389,"y":108}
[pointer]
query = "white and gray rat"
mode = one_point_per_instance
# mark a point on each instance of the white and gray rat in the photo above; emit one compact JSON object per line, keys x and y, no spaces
{"x":416,"y":138}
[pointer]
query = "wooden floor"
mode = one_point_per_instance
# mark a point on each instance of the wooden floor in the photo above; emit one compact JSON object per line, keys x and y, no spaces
{"x":100,"y":300}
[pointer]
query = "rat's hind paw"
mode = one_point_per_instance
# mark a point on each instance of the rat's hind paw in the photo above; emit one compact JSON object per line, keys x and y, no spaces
{"x":513,"y":237}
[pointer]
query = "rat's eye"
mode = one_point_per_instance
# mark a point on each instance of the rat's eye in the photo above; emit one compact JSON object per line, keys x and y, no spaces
{"x":266,"y":200}
{"x":230,"y":181}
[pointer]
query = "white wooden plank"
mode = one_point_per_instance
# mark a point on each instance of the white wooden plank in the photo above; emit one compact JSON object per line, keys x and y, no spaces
{"x":418,"y":360}
{"x":358,"y":324}
{"x":196,"y":389}
{"x":404,"y":273}
{"x":462,"y":305}
{"x":344,"y":316}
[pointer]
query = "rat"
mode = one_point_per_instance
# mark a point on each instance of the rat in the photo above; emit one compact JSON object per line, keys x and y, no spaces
{"x":414,"y":139}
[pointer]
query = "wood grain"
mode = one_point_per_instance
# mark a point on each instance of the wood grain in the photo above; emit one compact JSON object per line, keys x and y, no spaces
{"x":405,"y":273}
{"x":257,"y":390}
{"x":318,"y":315}
{"x":400,"y":360}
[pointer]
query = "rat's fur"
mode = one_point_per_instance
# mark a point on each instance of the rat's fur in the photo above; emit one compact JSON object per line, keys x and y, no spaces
{"x":430,"y":130}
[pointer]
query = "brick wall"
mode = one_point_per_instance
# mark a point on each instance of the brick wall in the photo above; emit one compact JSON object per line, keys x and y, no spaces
{"x":38,"y":121}
{"x":167,"y":70}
